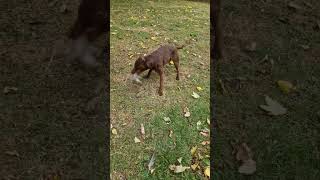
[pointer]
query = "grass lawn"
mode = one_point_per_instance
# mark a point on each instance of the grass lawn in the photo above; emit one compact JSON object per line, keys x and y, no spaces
{"x":138,"y":27}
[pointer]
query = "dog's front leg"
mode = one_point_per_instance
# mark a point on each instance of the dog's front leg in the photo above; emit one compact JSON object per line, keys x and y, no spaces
{"x":161,"y":81}
{"x":148,"y":75}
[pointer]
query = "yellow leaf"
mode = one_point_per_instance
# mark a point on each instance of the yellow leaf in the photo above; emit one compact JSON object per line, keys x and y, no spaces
{"x":136,"y":140}
{"x":194,"y":166}
{"x":114,"y":131}
{"x":193,"y":150}
{"x":199,"y":88}
{"x":285,"y":86}
{"x":207,"y":171}
{"x":171,"y":62}
{"x":154,"y":38}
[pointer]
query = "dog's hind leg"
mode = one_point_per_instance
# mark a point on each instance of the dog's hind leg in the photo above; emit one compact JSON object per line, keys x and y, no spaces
{"x":160,"y":72}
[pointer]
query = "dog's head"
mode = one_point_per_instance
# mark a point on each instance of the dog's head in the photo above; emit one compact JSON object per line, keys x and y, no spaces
{"x":139,"y":66}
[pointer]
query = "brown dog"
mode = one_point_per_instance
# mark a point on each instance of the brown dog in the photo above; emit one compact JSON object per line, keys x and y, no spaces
{"x":92,"y":21}
{"x":156,"y":61}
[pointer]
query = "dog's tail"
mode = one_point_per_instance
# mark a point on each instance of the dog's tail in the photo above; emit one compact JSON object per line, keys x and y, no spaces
{"x":184,"y":45}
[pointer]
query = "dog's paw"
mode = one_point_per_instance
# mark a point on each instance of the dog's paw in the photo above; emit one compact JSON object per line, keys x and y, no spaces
{"x":177,"y":78}
{"x":160,"y":93}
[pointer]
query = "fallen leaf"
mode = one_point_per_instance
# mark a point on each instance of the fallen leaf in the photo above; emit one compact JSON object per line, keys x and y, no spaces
{"x":244,"y":152}
{"x":273,"y":107}
{"x":199,"y":88}
{"x":207,"y":171}
{"x":151,"y":163}
{"x":193,"y":150}
{"x":9,"y":89}
{"x":208,"y":121}
{"x":199,"y":125}
{"x":167,"y":120}
{"x":195,"y":95}
{"x":114,"y":131}
{"x":186,"y":112}
{"x":204,"y":133}
{"x":136,"y":140}
{"x":171,"y":62}
{"x":178,"y":169}
{"x":194,"y":166}
{"x":12,"y":153}
{"x":179,"y":160}
{"x":170,"y":133}
{"x":285,"y":86}
{"x":305,"y":47}
{"x":154,"y":38}
{"x":142,"y":129}
{"x":248,"y":167}
{"x":205,"y":143}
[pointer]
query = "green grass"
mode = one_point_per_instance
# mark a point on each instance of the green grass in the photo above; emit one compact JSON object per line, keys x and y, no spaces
{"x":132,"y":105}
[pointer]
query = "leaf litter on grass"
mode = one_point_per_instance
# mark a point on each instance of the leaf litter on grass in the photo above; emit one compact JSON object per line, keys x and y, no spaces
{"x":245,"y":155}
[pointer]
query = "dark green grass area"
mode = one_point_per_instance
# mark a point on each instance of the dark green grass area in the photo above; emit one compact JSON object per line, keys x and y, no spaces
{"x":284,"y":147}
